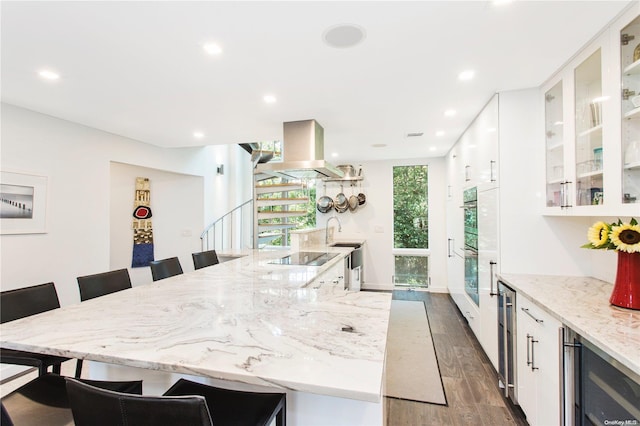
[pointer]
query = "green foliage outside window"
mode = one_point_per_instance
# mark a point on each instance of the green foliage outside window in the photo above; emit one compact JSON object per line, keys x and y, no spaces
{"x":412,"y":271}
{"x":410,"y":208}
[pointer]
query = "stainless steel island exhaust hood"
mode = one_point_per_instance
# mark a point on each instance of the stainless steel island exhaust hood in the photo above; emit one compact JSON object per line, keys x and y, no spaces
{"x":302,"y":154}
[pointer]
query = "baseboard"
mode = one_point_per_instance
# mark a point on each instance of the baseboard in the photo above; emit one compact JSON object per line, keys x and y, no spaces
{"x":377,"y":287}
{"x":391,"y":287}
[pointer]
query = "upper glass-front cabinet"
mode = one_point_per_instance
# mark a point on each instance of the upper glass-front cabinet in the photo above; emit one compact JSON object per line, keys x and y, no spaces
{"x":592,"y":126}
{"x":630,"y":66}
{"x":588,"y":125}
{"x":555,"y":146}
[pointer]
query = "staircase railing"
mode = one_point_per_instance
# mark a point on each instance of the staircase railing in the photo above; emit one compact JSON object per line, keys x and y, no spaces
{"x":234,"y":221}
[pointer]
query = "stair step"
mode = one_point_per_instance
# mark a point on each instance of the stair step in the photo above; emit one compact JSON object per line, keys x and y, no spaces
{"x":261,"y":176}
{"x":272,"y":226}
{"x":267,"y":238}
{"x":264,"y":202}
{"x":274,"y":215}
{"x":278,"y":187}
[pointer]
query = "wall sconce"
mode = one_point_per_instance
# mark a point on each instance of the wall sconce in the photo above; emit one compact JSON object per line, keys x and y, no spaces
{"x":220,"y":169}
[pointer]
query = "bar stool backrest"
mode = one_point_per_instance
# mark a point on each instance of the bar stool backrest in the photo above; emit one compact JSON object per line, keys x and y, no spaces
{"x":27,"y":301}
{"x":94,"y":406}
{"x":204,"y":259}
{"x":97,"y":285}
{"x":165,"y":268}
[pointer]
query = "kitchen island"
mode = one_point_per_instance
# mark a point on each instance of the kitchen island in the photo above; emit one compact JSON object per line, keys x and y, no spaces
{"x":247,"y":322}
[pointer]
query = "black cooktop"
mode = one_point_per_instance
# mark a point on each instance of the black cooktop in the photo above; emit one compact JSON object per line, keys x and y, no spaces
{"x":307,"y":258}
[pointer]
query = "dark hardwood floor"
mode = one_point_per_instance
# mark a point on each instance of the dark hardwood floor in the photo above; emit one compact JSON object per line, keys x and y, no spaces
{"x":469,"y":379}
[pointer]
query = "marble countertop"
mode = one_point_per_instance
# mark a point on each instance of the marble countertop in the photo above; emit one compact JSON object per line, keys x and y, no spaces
{"x":582,"y":304}
{"x":244,"y":320}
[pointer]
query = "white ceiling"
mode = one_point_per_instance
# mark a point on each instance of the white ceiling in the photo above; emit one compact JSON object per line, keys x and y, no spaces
{"x":138,"y":69}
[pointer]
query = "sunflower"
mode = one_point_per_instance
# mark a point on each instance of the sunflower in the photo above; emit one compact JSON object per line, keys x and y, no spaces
{"x":598,"y":234}
{"x":626,"y":237}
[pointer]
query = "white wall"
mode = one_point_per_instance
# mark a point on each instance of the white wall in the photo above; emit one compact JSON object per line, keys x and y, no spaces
{"x":529,"y":242}
{"x":177,"y":206}
{"x":374,"y":221}
{"x":77,"y":161}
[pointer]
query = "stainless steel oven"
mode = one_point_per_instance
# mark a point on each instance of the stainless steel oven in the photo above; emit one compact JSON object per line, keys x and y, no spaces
{"x":470,"y":205}
{"x":507,"y":340}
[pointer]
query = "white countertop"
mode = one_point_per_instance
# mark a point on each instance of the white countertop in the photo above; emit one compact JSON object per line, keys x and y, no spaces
{"x":243,"y":320}
{"x":582,"y":304}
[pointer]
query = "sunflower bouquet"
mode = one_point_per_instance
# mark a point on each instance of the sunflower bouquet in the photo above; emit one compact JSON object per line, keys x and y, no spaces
{"x":617,"y":236}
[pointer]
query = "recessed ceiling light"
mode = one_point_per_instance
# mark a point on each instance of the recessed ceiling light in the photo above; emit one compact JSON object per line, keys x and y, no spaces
{"x":212,"y":48}
{"x":198,"y":135}
{"x":379,"y":145}
{"x":270,"y":99}
{"x":501,"y":2}
{"x":450,"y":113}
{"x":49,"y":75}
{"x":440,"y":133}
{"x":334,"y":154}
{"x":491,"y":129}
{"x":343,"y":35}
{"x":466,"y":75}
{"x":433,"y":148}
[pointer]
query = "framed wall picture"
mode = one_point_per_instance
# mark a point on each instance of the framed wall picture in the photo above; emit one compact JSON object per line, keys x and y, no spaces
{"x":23,"y":203}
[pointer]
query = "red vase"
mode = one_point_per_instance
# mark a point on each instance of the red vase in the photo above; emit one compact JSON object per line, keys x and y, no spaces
{"x":626,"y":289}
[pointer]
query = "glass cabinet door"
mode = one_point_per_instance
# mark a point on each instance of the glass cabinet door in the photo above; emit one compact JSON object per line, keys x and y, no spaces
{"x":630,"y":58}
{"x":588,"y":119}
{"x":555,"y":146}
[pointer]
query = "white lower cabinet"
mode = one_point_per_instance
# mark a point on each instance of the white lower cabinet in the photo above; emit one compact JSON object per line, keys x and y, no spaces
{"x":468,"y":309}
{"x":335,"y":276}
{"x":488,"y":267}
{"x":538,"y":363}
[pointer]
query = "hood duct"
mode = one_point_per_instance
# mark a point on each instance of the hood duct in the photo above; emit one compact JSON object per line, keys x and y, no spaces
{"x":302,"y":154}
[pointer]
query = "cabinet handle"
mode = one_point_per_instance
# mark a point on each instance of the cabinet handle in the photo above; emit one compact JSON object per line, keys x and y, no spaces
{"x":491,"y":292}
{"x":449,"y":244}
{"x":564,"y":194}
{"x":563,"y":379}
{"x":526,"y":311}
{"x":533,"y":356}
{"x":505,"y":346}
{"x":466,"y":173}
{"x":529,"y":337}
{"x":492,"y":163}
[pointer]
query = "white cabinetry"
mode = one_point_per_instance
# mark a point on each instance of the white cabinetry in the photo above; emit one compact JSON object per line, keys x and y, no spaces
{"x":473,"y":163}
{"x":538,"y":363}
{"x":591,"y":130}
{"x":479,"y":146}
{"x":455,"y":223}
{"x":488,"y":219}
{"x":335,"y":276}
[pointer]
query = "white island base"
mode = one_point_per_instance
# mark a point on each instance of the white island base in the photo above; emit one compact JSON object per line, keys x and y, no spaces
{"x":303,"y":408}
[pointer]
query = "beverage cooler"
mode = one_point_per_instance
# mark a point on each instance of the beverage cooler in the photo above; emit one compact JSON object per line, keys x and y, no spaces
{"x":597,"y":390}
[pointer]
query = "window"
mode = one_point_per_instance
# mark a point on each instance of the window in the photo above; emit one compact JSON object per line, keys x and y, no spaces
{"x":410,"y":225}
{"x":412,"y":271}
{"x":410,"y":219}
